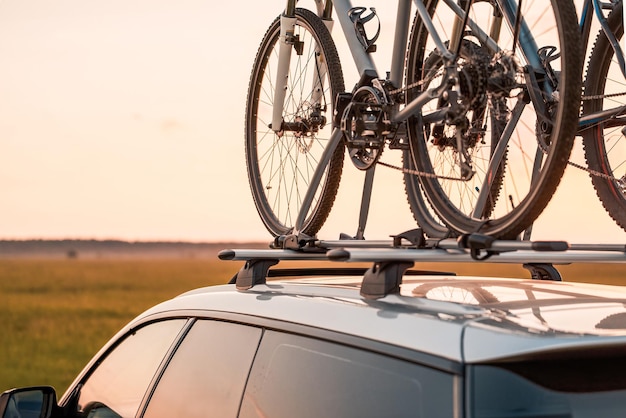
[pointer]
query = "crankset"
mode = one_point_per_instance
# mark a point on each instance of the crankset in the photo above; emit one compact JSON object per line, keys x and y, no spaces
{"x":366,"y":125}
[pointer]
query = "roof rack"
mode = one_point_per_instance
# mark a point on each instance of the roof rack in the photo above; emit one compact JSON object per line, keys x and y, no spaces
{"x":392,"y":258}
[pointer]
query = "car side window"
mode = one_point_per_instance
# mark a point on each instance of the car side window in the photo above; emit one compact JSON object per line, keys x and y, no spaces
{"x":208,"y":372}
{"x":295,"y":376}
{"x":119,"y":383}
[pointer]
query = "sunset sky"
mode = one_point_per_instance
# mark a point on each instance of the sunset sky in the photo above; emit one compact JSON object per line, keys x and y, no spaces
{"x":124,"y":119}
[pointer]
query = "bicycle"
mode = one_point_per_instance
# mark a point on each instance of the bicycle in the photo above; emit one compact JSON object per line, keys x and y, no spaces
{"x":482,"y":99}
{"x":602,"y":123}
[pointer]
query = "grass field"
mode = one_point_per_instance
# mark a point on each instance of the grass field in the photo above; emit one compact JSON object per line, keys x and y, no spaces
{"x":56,"y":314}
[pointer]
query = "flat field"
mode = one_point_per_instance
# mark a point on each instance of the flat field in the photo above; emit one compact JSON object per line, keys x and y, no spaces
{"x":57,"y":313}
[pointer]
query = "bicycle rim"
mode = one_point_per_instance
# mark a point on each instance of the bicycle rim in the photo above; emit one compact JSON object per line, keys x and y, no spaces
{"x":537,"y":152}
{"x":604,"y":143}
{"x":281,"y":164}
{"x":481,"y":150}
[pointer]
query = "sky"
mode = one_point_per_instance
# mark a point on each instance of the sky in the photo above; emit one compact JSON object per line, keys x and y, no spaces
{"x":124,"y":119}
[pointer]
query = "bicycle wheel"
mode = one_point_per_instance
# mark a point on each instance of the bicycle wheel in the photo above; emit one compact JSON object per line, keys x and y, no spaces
{"x":280,"y":164}
{"x":481,"y":150}
{"x":524,"y":98}
{"x":604,"y":142}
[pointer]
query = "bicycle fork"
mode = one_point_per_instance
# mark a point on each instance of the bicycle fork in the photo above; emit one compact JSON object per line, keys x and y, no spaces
{"x":287,"y":39}
{"x":290,"y":41}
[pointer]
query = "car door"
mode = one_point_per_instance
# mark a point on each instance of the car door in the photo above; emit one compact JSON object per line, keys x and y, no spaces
{"x":116,"y":386}
{"x":302,"y":376}
{"x":179,"y":367}
{"x":207,"y":374}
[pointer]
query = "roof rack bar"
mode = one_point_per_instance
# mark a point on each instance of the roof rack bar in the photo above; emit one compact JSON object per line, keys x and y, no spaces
{"x":485,"y":242}
{"x":599,"y":247}
{"x":446,"y":251}
{"x":478,"y":241}
{"x":413,"y":238}
{"x":342,"y":243}
{"x":391,"y":261}
{"x":249,"y":254}
{"x":463,"y":256}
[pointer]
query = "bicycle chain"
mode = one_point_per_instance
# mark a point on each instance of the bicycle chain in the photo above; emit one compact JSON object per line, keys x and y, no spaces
{"x":417,"y":172}
{"x":587,"y":169}
{"x":592,"y":172}
{"x":583,"y":168}
{"x":418,"y":83}
{"x":602,"y":96}
{"x":571,"y":163}
{"x":409,"y":87}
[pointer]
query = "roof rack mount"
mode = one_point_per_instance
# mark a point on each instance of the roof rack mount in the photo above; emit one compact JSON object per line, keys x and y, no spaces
{"x":391,"y":258}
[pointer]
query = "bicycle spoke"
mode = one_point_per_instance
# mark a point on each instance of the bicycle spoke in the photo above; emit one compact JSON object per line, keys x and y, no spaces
{"x":483,"y":152}
{"x":283,"y":161}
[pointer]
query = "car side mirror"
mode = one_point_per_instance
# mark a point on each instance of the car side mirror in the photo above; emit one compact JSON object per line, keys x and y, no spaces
{"x":28,"y":402}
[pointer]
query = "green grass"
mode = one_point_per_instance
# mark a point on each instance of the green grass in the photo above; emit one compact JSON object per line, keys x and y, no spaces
{"x":56,"y":314}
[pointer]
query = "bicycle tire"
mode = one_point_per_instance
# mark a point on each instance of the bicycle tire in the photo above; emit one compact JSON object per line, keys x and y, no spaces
{"x":512,"y":207}
{"x":422,"y":213}
{"x":281,"y":164}
{"x":605,"y":146}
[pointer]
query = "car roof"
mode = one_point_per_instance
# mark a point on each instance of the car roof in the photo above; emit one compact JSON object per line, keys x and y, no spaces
{"x":460,"y":319}
{"x":464,"y":319}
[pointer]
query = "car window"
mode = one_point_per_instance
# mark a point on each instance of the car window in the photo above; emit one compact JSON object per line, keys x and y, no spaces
{"x":296,"y":376}
{"x":207,"y":374}
{"x":584,"y":387}
{"x":118,"y":384}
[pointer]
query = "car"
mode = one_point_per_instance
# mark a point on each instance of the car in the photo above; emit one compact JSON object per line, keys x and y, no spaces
{"x":377,"y":341}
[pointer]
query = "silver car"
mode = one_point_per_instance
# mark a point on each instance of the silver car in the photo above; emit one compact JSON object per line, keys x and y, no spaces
{"x":384,"y":341}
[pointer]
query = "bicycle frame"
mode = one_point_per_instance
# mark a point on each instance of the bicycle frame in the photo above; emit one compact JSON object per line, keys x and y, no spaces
{"x":367,"y":71}
{"x":591,"y":8}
